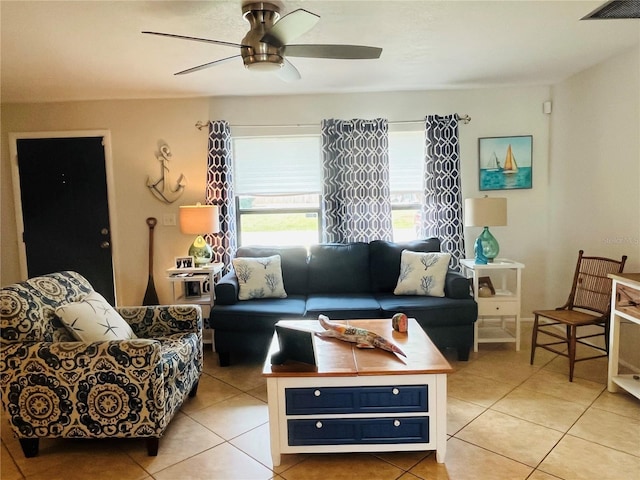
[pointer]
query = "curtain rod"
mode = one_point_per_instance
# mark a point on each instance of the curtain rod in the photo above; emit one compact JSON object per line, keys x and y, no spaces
{"x":200,"y":125}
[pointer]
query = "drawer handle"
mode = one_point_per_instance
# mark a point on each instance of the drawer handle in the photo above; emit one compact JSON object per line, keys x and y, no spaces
{"x":395,"y":391}
{"x":316,"y":393}
{"x":396,"y":423}
{"x":318,"y":424}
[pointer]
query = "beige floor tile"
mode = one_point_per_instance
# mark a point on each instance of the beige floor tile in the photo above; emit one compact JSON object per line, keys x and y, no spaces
{"x":545,"y":410}
{"x":577,"y":459}
{"x":234,"y":416}
{"x":609,"y":429}
{"x":244,"y":375}
{"x":409,"y":476}
{"x":622,"y":403}
{"x":183,"y":439}
{"x":404,"y":460}
{"x":538,"y":475}
{"x":221,"y":462}
{"x":8,"y":468}
{"x":558,"y":385}
{"x":460,"y":413}
{"x":592,"y":370}
{"x":467,"y":386}
{"x":70,"y":459}
{"x":210,"y":391}
{"x":504,"y":368}
{"x":465,"y":461}
{"x":512,"y":437}
{"x":346,"y":466}
{"x":256,"y":443}
{"x":260,"y":392}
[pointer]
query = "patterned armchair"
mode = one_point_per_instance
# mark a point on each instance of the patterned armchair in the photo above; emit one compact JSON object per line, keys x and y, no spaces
{"x":54,"y":386}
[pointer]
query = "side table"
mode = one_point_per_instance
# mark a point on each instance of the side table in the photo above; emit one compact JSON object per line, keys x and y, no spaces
{"x":505,"y":299}
{"x":195,"y":285}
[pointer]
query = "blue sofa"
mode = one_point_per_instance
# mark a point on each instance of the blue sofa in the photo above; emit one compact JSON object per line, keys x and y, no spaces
{"x":342,"y":281}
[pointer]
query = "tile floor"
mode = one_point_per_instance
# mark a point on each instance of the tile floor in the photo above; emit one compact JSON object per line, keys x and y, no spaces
{"x":507,"y":420}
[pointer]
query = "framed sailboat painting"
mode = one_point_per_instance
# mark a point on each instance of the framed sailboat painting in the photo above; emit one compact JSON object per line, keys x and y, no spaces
{"x":505,"y":163}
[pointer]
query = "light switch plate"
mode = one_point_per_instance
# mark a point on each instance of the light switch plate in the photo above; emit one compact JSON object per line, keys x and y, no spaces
{"x":169,"y":219}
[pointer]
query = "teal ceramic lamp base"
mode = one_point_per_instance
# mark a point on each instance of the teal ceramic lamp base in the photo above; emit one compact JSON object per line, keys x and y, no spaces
{"x":201,"y":252}
{"x":486,"y":247}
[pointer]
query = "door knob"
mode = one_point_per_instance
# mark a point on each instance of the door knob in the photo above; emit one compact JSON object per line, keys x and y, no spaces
{"x":105,"y":244}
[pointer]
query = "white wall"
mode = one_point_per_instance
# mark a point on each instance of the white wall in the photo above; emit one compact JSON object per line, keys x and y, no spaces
{"x":137,"y":126}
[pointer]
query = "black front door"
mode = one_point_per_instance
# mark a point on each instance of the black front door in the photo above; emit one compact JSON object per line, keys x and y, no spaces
{"x":65,"y":210}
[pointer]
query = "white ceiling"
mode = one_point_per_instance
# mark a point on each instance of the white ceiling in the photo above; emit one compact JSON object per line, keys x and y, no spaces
{"x":80,"y":50}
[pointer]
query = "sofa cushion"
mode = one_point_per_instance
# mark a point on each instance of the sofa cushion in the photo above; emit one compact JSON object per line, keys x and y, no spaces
{"x":92,"y":319}
{"x":339,"y":268}
{"x":259,"y":277}
{"x":342,"y":306}
{"x":430,"y":311}
{"x":293,"y":261}
{"x":256,"y":315}
{"x":385,"y":260}
{"x":422,"y":273}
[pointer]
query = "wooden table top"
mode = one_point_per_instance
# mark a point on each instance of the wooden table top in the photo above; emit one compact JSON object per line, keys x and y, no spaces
{"x":340,"y":358}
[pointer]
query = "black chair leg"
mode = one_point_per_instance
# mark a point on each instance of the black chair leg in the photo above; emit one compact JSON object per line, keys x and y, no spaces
{"x":30,"y":446}
{"x":463,"y":353}
{"x":152,"y":446}
{"x":194,"y":390}
{"x":534,"y":339}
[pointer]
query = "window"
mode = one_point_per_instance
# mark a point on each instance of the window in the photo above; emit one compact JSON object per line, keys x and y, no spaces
{"x":278,"y":189}
{"x":406,"y":164}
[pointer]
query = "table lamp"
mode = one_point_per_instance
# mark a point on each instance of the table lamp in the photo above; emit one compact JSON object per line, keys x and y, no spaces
{"x":485,"y":212}
{"x":199,"y":220}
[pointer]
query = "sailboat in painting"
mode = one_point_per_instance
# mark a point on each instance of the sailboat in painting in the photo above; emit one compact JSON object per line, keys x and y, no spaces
{"x":510,"y":165}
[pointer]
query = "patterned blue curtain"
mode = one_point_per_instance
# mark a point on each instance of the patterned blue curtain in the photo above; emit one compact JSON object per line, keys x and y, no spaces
{"x":220,"y":192}
{"x":442,"y":202}
{"x":356,"y":199}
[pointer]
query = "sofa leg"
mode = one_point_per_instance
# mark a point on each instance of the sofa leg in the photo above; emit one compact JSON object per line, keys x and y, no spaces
{"x":224,"y":358}
{"x":463,"y":353}
{"x":194,"y":390}
{"x":152,"y":446}
{"x":30,"y":446}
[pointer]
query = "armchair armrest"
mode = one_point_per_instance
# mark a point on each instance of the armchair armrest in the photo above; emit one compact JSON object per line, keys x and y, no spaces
{"x":163,"y":320}
{"x":227,"y":289}
{"x":67,"y":378}
{"x":456,"y":285}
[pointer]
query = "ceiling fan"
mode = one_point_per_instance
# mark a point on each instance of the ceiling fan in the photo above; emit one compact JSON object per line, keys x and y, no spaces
{"x":267,"y":44}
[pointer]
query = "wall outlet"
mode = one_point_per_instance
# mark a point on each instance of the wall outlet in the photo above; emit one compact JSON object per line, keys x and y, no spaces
{"x":169,"y":219}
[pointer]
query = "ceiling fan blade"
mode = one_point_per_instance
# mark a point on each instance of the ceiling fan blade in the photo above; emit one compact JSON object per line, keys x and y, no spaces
{"x":288,"y":72}
{"x":290,"y":27}
{"x":348,"y":52}
{"x":206,"y":65}
{"x":196,"y":39}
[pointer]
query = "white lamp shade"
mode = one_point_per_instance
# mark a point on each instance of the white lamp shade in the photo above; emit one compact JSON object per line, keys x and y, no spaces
{"x":485,"y":212}
{"x":199,"y":219}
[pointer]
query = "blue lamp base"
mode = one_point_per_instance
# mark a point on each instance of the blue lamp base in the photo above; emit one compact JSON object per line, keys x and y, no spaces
{"x":486,"y":247}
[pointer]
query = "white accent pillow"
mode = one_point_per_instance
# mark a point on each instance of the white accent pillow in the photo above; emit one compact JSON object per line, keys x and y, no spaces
{"x":422,"y":273}
{"x":93,"y":320}
{"x":259,"y":277}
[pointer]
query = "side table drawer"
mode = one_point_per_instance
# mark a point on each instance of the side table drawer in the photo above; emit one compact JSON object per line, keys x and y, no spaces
{"x":378,"y":399}
{"x":358,"y":431}
{"x":487,"y":307}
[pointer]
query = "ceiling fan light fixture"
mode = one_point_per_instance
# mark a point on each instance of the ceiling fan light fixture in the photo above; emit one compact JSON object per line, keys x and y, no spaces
{"x":263,"y":66}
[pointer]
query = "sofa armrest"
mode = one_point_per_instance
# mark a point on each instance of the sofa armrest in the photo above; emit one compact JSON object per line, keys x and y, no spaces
{"x":456,"y":285}
{"x":163,"y":320}
{"x":227,"y":289}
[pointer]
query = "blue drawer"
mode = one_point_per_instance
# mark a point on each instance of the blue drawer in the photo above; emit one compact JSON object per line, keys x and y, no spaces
{"x":358,"y":431}
{"x":383,"y":399}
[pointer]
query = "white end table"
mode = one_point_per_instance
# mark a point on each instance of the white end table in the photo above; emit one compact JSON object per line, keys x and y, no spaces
{"x":506,"y":280}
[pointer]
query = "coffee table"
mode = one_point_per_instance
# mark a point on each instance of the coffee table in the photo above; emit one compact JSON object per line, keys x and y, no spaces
{"x":360,"y":400}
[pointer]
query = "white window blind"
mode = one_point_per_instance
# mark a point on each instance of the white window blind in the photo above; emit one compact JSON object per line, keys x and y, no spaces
{"x":277,"y":165}
{"x":406,"y":161}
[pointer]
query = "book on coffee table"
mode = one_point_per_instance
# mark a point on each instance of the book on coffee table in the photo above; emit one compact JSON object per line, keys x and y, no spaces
{"x":296,"y":344}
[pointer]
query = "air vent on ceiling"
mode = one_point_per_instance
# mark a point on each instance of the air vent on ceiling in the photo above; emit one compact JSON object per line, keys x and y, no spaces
{"x":615,"y":9}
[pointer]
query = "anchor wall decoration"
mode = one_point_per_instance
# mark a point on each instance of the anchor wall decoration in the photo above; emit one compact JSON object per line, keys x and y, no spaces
{"x":162,"y":188}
